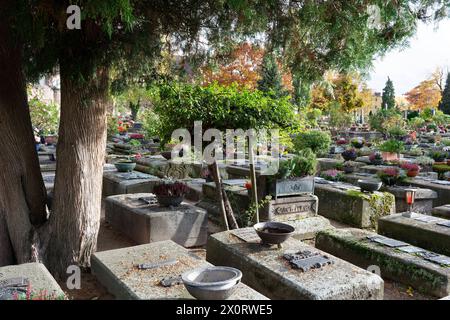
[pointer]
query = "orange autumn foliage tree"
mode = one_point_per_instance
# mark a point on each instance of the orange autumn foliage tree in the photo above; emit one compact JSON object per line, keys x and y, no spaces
{"x":243,"y":68}
{"x":426,"y":95}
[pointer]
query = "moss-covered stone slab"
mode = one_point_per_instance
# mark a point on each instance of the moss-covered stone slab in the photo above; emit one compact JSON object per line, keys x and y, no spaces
{"x":116,"y":270}
{"x":442,"y":211}
{"x":186,"y":224}
{"x":352,"y":245}
{"x":41,"y":281}
{"x":115,"y":182}
{"x":265,"y":270}
{"x":353,"y":207}
{"x":427,"y":235}
{"x":327,"y":163}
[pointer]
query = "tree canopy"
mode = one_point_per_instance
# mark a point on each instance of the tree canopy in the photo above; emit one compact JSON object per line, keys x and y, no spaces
{"x":388,"y":97}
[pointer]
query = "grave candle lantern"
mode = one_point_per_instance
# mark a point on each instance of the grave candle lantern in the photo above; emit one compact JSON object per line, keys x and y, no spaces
{"x":410,"y":198}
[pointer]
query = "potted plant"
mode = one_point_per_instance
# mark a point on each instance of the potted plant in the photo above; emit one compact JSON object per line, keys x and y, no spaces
{"x":357,"y":143}
{"x":170,"y":193}
{"x":128,"y":164}
{"x":294,"y":176}
{"x":391,"y":176}
{"x":332,"y":175}
{"x":391,"y":149}
{"x":441,"y":170}
{"x":376,"y":159}
{"x":341,"y":141}
{"x":349,"y":155}
{"x":412,"y":169}
{"x":438,"y":156}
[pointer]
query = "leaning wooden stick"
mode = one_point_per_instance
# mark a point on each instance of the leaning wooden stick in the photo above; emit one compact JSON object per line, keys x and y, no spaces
{"x":224,"y":203}
{"x":253,"y":179}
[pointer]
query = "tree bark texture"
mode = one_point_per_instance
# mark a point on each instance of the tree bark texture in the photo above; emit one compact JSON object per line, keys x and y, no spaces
{"x":75,"y":218}
{"x":22,"y":191}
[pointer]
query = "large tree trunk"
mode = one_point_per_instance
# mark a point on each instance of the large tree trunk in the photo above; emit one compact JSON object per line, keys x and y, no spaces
{"x":22,"y":190}
{"x":75,"y":218}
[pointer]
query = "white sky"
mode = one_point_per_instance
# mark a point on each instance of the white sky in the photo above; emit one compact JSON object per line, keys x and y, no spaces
{"x":428,"y":49}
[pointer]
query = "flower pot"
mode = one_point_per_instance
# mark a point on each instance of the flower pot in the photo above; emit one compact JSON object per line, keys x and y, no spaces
{"x":389,"y":156}
{"x":167,"y":201}
{"x":412,"y":173}
{"x":125,"y":166}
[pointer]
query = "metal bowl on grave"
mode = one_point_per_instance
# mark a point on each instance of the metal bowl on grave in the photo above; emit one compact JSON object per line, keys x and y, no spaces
{"x":125,"y":166}
{"x":169,"y":201}
{"x":369,"y":185}
{"x":212,"y":283}
{"x":274,"y":232}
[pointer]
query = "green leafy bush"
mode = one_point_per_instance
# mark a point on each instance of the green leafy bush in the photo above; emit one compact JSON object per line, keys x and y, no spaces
{"x":44,"y":116}
{"x":318,"y":141}
{"x":220,"y":107}
{"x":301,"y":165}
{"x":150,"y":123}
{"x":393,"y":146}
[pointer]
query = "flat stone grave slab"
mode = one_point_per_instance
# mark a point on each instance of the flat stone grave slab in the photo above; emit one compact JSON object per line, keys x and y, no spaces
{"x":353,"y":178}
{"x":186,"y":224}
{"x":115,"y":182}
{"x":327,"y":163}
{"x":116,"y":270}
{"x":398,"y":261}
{"x":423,"y":199}
{"x":347,"y":204}
{"x":420,"y":230}
{"x":265,"y":270}
{"x":41,"y":282}
{"x":442,"y":188}
{"x":373,"y":169}
{"x":442,"y":211}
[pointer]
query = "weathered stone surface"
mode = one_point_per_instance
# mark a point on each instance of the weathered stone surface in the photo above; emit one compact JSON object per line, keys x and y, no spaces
{"x":115,"y":182}
{"x":40,"y":279}
{"x":423,"y":200}
{"x":443,"y":191}
{"x":327,"y":163}
{"x":266,"y":271}
{"x":372,"y":169}
{"x":442,"y":211}
{"x":186,"y":224}
{"x":352,"y":245}
{"x":352,"y":208}
{"x":195,"y":187}
{"x":116,"y":270}
{"x":307,"y":228}
{"x":429,"y":235}
{"x":290,"y":208}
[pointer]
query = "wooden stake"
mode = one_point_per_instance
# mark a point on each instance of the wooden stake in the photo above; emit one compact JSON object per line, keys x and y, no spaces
{"x":253,"y":179}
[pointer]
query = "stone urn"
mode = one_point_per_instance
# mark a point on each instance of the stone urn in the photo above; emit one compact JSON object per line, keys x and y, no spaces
{"x":125,"y":166}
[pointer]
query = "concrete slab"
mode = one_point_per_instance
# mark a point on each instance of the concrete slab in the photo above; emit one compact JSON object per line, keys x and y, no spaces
{"x":266,"y":271}
{"x":442,"y":211}
{"x":186,"y":224}
{"x":41,"y":281}
{"x":352,"y":206}
{"x":115,"y":182}
{"x":443,"y":191}
{"x":352,"y":245}
{"x":427,"y":235}
{"x":423,"y":200}
{"x":116,"y":270}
